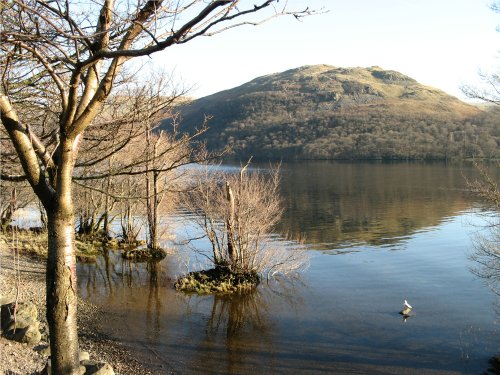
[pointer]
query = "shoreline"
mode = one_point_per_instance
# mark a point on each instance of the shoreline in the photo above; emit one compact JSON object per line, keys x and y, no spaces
{"x":20,"y":358}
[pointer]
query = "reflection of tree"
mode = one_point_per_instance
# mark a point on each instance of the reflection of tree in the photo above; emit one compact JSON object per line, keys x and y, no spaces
{"x":154,"y":305}
{"x":244,"y":322}
{"x":107,"y":267}
{"x":234,"y":314}
{"x":487,"y":241}
{"x":487,"y":253}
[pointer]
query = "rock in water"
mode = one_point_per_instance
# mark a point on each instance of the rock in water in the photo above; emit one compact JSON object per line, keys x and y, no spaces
{"x":406,"y":311}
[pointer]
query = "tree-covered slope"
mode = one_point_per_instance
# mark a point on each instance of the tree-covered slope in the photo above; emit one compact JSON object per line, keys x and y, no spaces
{"x":324,"y":112}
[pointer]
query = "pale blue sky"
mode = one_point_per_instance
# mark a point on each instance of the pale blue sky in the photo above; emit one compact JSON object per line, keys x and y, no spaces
{"x":441,"y":43}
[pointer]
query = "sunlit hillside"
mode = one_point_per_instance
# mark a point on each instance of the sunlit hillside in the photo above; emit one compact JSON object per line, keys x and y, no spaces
{"x":325,"y":112}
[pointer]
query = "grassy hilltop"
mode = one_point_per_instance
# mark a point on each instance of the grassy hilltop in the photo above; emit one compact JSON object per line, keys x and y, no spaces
{"x":325,"y":112}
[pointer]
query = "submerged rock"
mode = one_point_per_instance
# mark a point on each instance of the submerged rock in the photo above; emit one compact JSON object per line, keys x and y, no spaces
{"x":406,"y":311}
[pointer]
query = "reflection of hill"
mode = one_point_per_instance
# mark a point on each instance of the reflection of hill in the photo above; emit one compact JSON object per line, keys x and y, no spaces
{"x":341,"y":203}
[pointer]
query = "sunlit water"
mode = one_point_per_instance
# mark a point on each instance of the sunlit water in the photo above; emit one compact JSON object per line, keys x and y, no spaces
{"x":377,"y":233}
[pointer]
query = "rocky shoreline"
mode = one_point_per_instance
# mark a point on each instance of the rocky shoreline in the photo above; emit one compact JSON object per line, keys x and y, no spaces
{"x":18,"y":358}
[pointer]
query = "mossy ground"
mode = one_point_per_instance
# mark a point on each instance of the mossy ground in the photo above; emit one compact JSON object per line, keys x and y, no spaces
{"x":143,"y":255}
{"x":34,"y":243}
{"x":217,"y":280}
{"x":99,"y":239}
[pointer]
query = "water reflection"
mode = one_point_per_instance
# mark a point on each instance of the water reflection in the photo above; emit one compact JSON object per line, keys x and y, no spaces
{"x":486,"y":253}
{"x":343,"y":204}
{"x":184,"y":331}
{"x":344,"y":320}
{"x":236,"y":316}
{"x":154,"y":302}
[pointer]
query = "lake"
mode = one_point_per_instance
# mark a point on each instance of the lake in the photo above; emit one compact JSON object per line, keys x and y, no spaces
{"x":377,"y":233}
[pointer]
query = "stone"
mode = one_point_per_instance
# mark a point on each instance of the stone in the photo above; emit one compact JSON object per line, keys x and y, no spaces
{"x":44,"y":330}
{"x":4,"y":300}
{"x":29,"y":335}
{"x":97,"y":368}
{"x":18,"y":323}
{"x":47,"y":370}
{"x":26,"y":312}
{"x":84,"y":356}
{"x":44,"y":350}
{"x":24,"y":326}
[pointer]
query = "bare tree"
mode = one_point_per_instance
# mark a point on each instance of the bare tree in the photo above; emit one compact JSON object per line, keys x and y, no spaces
{"x":163,"y":177}
{"x":490,"y":91}
{"x":23,"y":198}
{"x":487,"y":243}
{"x":62,"y":60}
{"x":166,"y":150}
{"x":113,"y":148}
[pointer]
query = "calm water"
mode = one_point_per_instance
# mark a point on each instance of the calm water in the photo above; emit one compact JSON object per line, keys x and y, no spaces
{"x":377,"y":234}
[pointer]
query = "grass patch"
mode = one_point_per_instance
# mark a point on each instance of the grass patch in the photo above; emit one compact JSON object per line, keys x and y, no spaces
{"x":217,"y":280}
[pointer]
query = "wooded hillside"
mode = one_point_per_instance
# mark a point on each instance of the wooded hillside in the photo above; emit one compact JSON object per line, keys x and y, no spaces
{"x":324,"y":112}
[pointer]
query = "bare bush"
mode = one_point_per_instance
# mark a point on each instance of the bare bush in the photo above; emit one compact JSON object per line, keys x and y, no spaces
{"x":238,"y":213}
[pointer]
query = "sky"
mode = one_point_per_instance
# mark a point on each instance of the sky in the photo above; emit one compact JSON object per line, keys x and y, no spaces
{"x":440,"y":43}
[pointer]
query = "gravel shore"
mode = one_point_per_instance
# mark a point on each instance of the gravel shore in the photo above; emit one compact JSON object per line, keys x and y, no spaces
{"x":16,"y":358}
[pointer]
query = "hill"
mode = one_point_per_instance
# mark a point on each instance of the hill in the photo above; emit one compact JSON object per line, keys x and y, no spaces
{"x":325,"y":112}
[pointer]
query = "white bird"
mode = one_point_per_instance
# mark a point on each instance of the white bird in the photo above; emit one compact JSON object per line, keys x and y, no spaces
{"x":407,"y":305}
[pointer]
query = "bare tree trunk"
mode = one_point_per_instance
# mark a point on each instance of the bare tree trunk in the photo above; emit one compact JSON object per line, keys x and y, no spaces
{"x":154,"y":223}
{"x":152,"y":199}
{"x":43,"y":215}
{"x":149,"y":204}
{"x":231,"y":248}
{"x":61,"y":272}
{"x":107,"y":209}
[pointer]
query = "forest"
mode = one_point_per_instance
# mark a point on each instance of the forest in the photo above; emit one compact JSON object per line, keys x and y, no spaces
{"x":322,"y":112}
